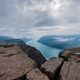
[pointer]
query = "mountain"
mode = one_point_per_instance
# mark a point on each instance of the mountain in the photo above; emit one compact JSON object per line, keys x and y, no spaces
{"x":8,"y":39}
{"x":14,"y":41}
{"x":61,"y":42}
{"x":2,"y":38}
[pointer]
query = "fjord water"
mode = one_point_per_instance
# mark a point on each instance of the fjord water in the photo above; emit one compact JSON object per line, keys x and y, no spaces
{"x":51,"y":46}
{"x":47,"y":51}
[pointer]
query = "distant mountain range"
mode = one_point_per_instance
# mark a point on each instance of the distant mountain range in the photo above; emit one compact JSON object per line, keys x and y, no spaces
{"x":2,"y":38}
{"x":13,"y":40}
{"x":61,"y":42}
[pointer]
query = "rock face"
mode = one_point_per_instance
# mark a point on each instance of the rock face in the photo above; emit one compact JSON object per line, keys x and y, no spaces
{"x":71,"y":54}
{"x":71,"y":67}
{"x":70,"y":71}
{"x":36,"y":55}
{"x":52,"y":68}
{"x":15,"y":64}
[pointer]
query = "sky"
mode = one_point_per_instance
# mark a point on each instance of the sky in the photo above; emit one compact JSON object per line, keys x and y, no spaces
{"x":36,"y":18}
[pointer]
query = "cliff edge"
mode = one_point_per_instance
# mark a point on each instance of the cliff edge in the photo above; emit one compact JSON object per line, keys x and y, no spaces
{"x":19,"y":61}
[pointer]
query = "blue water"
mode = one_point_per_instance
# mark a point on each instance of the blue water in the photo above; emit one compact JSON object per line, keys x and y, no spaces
{"x":51,"y":46}
{"x":47,"y":52}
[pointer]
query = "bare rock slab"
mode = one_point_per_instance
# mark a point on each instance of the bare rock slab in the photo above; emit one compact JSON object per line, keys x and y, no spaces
{"x":52,"y":67}
{"x":14,"y":63}
{"x":70,"y":71}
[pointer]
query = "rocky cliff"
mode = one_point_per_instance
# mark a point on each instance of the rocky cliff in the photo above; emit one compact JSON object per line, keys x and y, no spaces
{"x":23,"y":62}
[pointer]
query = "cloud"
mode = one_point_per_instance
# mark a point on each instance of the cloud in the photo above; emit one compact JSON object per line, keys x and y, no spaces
{"x":62,"y":39}
{"x":40,"y":17}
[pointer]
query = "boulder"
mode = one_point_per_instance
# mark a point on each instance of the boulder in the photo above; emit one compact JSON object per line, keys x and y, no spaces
{"x":14,"y":63}
{"x":70,"y":71}
{"x":70,"y":54}
{"x":52,"y":68}
{"x":36,"y":74}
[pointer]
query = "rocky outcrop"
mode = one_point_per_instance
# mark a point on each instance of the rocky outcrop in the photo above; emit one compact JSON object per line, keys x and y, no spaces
{"x":71,"y":54}
{"x":70,"y":71}
{"x":19,"y":61}
{"x":32,"y":52}
{"x":52,"y":68}
{"x":15,"y":64}
{"x":71,"y":67}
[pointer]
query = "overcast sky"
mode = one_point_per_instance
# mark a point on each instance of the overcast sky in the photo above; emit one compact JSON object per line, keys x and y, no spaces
{"x":31,"y":18}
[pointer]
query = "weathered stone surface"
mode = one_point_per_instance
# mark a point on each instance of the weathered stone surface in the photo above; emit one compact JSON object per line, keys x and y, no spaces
{"x":22,"y":62}
{"x":71,"y":54}
{"x":36,"y":74}
{"x":70,"y":71}
{"x":14,"y":63}
{"x":52,"y":68}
